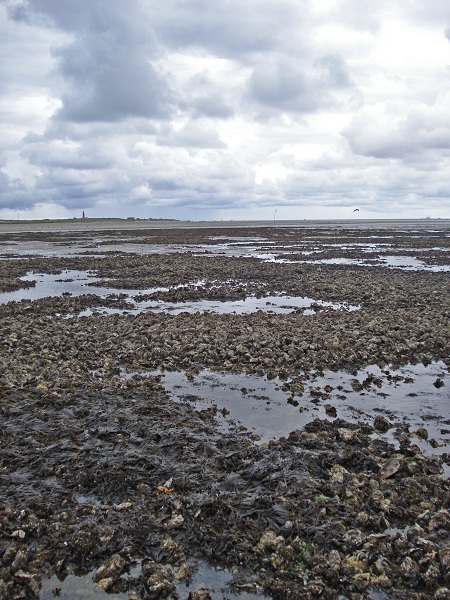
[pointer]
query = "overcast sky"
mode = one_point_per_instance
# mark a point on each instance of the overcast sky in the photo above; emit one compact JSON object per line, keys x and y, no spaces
{"x":225,"y":109}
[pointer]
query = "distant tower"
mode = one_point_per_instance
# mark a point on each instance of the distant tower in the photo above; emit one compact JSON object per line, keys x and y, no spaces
{"x":84,"y":216}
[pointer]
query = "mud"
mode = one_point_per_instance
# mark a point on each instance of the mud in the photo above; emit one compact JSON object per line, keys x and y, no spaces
{"x":110,"y":484}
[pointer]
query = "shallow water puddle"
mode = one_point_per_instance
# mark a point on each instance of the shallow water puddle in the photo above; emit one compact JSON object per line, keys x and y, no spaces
{"x":216,"y":581}
{"x":238,"y":247}
{"x":75,"y":587}
{"x":254,"y":402}
{"x":41,"y":248}
{"x":277,"y":253}
{"x":269,"y":304}
{"x":406,"y":263}
{"x":88,"y":247}
{"x":377,"y":595}
{"x":78,"y":283}
{"x":415,"y":396}
{"x":72,"y":282}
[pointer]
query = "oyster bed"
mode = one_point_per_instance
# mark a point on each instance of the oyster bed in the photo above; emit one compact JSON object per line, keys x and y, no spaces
{"x":104,"y":472}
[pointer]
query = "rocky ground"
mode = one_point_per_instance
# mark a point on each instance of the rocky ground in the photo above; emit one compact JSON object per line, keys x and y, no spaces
{"x":106,"y":473}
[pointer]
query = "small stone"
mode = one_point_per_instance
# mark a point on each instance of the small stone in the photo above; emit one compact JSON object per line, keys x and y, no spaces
{"x":381,"y":424}
{"x":241,"y":349}
{"x":415,"y":531}
{"x":183,"y":572}
{"x":200,"y":594}
{"x":112,"y":567}
{"x":106,"y":534}
{"x":123,"y":505}
{"x":347,"y":435}
{"x":355,"y":563}
{"x":158,"y":583}
{"x":106,"y":583}
{"x":19,"y":534}
{"x":19,"y":561}
{"x":383,"y":565}
{"x":337,"y":473}
{"x":422,"y":433}
{"x":389,"y":468}
{"x":409,"y":567}
{"x":356,"y":385}
{"x":175,"y":521}
{"x":330,"y":410}
{"x":270,"y":540}
{"x":362,"y":578}
{"x":431,"y":576}
{"x":382,"y":581}
{"x":32,"y":581}
{"x":444,"y":558}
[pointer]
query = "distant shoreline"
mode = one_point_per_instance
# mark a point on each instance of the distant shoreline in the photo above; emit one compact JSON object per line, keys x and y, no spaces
{"x":16,"y":226}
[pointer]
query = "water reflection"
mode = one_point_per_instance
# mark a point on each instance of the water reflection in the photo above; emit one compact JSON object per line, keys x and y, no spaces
{"x":78,"y":283}
{"x":407,"y":397}
{"x":217,"y":581}
{"x":387,"y":254}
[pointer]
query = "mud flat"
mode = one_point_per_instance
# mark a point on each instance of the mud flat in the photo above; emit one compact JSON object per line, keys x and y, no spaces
{"x":225,"y":412}
{"x":86,"y":225}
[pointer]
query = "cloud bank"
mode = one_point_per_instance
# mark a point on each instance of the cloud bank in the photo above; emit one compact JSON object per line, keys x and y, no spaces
{"x":232,"y":110}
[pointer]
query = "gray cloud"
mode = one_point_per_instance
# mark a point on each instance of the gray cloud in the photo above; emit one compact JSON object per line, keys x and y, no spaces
{"x":205,"y":96}
{"x":425,"y":129}
{"x":282,"y":86}
{"x":164,"y":185}
{"x":107,"y":66}
{"x":195,"y":134}
{"x":332,"y":72}
{"x":4,"y":182}
{"x":15,"y":194}
{"x":59,"y":154}
{"x":108,"y":84}
{"x":202,"y":110}
{"x":210,"y":106}
{"x":229,"y":28}
{"x":72,"y":188}
{"x":299,"y":86}
{"x":361,"y":16}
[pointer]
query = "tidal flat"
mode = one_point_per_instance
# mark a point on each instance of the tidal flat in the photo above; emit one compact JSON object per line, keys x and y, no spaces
{"x":256,"y":410}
